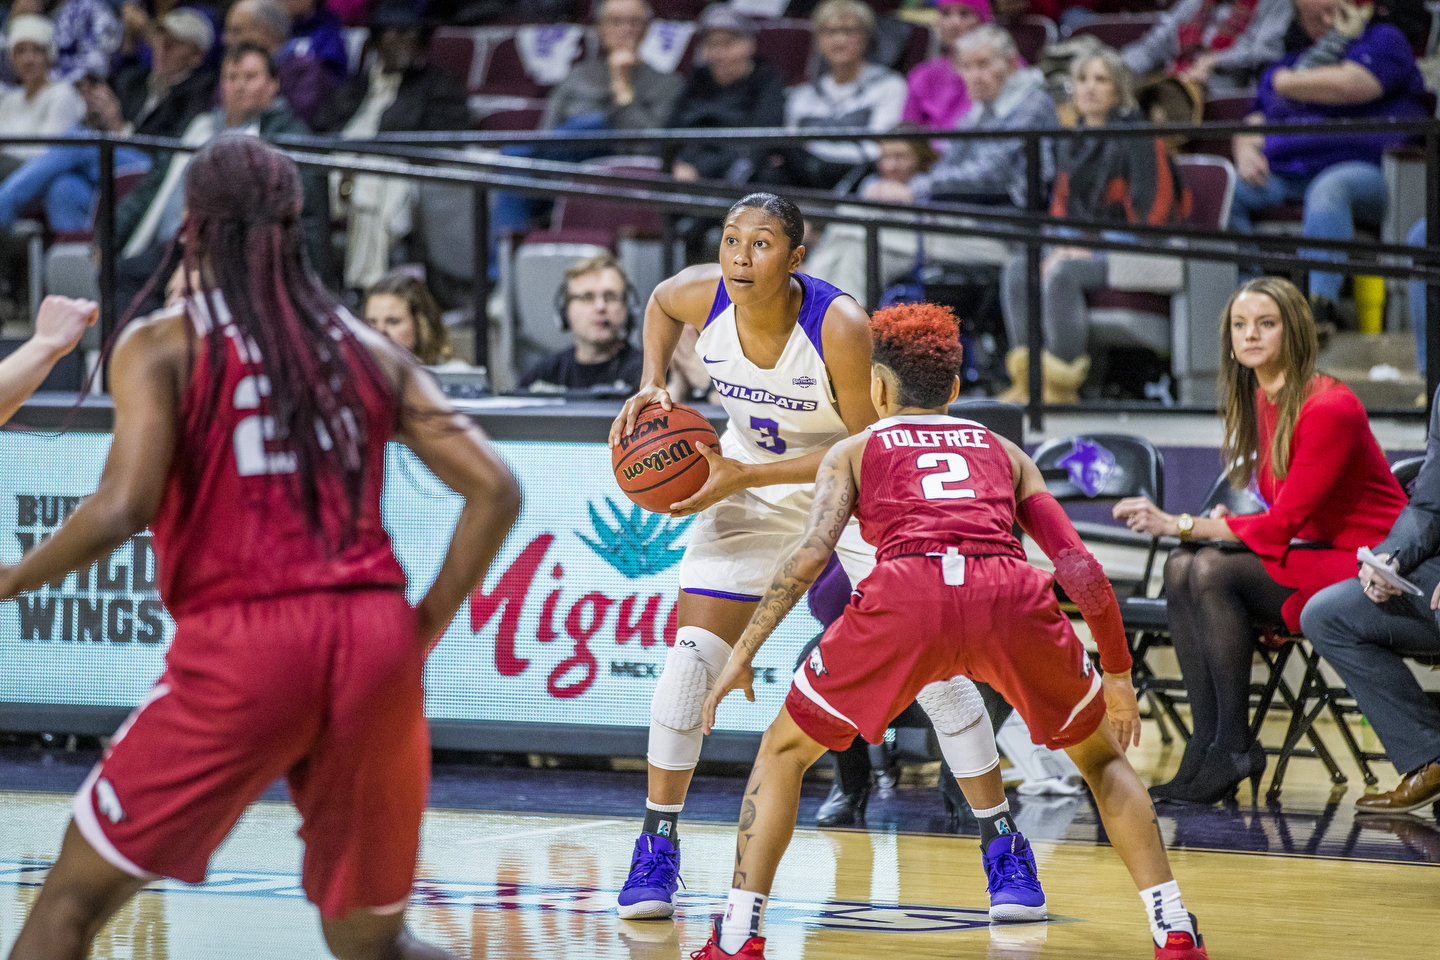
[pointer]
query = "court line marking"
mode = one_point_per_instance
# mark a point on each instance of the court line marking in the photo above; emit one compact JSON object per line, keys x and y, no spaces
{"x":544,"y":831}
{"x":856,"y":915}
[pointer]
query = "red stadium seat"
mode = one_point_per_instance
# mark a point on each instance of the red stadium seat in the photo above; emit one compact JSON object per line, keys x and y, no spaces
{"x":504,"y":74}
{"x":453,"y":49}
{"x":511,"y":118}
{"x":1117,"y":30}
{"x":1031,"y":34}
{"x":1220,"y":110}
{"x":786,"y":44}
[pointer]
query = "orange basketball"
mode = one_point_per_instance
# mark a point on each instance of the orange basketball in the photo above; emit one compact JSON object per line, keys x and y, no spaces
{"x":658,"y":464}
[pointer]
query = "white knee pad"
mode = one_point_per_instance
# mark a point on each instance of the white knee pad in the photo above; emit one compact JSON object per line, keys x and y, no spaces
{"x":690,"y":668}
{"x":961,"y":725}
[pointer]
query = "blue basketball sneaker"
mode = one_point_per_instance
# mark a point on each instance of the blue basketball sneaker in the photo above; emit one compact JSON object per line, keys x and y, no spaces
{"x":649,"y":891}
{"x":1015,"y":894}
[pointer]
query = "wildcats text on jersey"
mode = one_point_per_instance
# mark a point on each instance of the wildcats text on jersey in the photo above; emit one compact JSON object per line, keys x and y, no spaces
{"x":912,"y":437}
{"x":738,"y":391}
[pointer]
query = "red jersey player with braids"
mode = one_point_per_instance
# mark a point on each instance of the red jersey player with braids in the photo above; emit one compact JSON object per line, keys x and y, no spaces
{"x":250,"y":429}
{"x":951,"y":594}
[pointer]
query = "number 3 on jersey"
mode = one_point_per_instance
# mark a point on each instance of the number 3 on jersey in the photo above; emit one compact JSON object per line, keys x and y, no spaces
{"x":956,"y":470}
{"x":769,"y":432}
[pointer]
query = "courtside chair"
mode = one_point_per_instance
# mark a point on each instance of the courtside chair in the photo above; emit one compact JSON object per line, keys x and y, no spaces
{"x":1105,"y":468}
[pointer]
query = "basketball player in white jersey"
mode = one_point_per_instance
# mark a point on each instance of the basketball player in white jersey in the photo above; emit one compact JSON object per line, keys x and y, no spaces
{"x":790,"y":357}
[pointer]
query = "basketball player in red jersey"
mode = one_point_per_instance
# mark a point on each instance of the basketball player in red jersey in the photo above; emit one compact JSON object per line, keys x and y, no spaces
{"x":250,"y":430}
{"x":951,"y":593}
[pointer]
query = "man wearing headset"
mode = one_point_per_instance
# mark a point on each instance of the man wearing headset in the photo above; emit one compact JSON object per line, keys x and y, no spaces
{"x":595,"y":303}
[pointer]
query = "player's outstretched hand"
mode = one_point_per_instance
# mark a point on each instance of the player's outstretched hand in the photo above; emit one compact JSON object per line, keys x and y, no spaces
{"x":737,"y":675}
{"x":61,"y":321}
{"x":726,"y":477}
{"x":1121,"y":708}
{"x":624,"y":424}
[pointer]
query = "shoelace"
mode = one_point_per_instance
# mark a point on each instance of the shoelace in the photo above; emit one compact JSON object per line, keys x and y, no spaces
{"x":1012,"y":867}
{"x":650,"y":864}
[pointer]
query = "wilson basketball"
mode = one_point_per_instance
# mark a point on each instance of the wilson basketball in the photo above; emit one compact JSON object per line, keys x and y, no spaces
{"x":658,"y":464}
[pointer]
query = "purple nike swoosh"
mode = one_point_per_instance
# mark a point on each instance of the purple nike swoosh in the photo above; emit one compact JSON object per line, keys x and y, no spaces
{"x":708,"y":360}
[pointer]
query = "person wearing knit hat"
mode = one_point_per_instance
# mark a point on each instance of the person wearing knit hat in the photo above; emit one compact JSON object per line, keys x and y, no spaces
{"x":39,"y":107}
{"x":936,"y":95}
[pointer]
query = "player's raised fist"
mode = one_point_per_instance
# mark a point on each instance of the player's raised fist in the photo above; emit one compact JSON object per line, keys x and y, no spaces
{"x":61,"y":321}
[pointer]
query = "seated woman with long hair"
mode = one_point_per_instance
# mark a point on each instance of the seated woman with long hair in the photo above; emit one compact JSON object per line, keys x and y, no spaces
{"x":1329,"y":491}
{"x":1121,"y":180}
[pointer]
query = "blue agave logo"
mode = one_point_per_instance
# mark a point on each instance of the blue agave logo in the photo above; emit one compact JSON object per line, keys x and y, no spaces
{"x":639,"y":544}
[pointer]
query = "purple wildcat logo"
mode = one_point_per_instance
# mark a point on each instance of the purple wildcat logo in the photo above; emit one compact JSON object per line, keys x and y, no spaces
{"x":1089,"y":466}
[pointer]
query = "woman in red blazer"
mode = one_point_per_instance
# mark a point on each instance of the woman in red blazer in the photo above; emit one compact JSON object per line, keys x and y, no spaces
{"x":1329,"y":491}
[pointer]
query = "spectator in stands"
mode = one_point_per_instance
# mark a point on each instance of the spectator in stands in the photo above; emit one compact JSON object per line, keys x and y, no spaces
{"x":157,"y":100}
{"x":147,"y":220}
{"x":595,"y":303}
{"x":1366,"y":628}
{"x":38,"y":107}
{"x":937,"y":97}
{"x":399,"y":91}
{"x":306,"y":81}
{"x":617,"y":90}
{"x":401,"y":307}
{"x":849,"y":92}
{"x":1223,"y":48}
{"x":729,"y":88}
{"x":1355,"y":69}
{"x":316,"y":33}
{"x":1317,"y":465}
{"x":87,"y":34}
{"x":1005,"y":97}
{"x":838,"y":256}
{"x":1119,"y":180}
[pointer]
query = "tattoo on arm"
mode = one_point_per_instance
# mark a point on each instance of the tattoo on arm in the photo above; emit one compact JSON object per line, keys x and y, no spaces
{"x":835,"y":497}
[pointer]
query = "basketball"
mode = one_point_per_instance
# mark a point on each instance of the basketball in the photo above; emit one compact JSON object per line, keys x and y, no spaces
{"x":658,"y":464}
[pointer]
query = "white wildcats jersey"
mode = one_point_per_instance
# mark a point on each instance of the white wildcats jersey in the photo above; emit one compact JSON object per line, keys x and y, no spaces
{"x":786,"y":411}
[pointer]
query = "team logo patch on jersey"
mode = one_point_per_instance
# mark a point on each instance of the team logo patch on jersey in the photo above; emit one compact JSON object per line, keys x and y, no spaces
{"x":817,"y":663}
{"x":804,"y":381}
{"x":108,"y":802}
{"x":1089,"y":466}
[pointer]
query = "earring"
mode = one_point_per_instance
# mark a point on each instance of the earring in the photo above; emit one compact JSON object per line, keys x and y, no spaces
{"x":1232,"y":354}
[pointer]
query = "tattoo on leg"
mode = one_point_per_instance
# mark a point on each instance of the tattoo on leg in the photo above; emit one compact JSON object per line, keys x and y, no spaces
{"x":1155,"y":821}
{"x":747,"y":815}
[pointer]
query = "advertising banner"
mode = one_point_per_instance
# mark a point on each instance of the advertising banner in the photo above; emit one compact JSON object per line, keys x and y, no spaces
{"x":570,"y":627}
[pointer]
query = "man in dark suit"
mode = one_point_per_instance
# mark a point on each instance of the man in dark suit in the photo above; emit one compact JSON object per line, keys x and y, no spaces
{"x":1366,"y":629}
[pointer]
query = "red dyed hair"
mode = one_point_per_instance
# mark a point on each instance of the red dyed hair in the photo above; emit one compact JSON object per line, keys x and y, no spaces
{"x":920,"y":342}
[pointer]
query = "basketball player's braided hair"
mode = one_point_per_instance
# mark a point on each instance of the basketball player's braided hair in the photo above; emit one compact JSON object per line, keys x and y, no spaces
{"x":244,"y":200}
{"x":920,"y":342}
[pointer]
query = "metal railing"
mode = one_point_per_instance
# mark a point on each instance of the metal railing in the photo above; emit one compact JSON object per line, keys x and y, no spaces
{"x":451,"y":158}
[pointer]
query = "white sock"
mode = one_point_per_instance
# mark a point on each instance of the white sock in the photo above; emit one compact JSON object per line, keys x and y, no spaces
{"x":1166,"y":911}
{"x":744,"y":918}
{"x":1004,"y":807}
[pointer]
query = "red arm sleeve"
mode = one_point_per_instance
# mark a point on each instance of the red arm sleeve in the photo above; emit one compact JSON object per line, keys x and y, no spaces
{"x":1079,"y":575}
{"x":1330,"y":433}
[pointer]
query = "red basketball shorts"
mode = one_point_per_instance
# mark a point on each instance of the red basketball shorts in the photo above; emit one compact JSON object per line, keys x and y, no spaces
{"x":906,"y":628}
{"x":323,"y":689}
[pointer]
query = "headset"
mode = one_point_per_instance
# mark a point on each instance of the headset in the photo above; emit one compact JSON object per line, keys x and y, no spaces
{"x":631,"y":299}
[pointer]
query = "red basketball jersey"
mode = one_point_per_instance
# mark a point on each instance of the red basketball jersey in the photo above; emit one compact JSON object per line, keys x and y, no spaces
{"x":930,"y":482}
{"x":230,"y":527}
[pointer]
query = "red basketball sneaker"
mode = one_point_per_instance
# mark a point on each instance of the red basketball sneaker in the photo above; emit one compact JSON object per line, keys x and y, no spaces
{"x":754,"y":948}
{"x":1179,"y":945}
